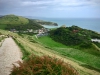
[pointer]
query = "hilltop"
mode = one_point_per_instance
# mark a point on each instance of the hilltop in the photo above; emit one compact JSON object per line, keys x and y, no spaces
{"x":13,"y":19}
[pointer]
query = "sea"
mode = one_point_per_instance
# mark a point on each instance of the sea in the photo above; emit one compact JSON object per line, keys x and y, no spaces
{"x":86,"y":23}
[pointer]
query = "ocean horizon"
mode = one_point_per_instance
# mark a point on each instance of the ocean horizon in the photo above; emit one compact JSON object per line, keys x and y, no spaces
{"x":86,"y":23}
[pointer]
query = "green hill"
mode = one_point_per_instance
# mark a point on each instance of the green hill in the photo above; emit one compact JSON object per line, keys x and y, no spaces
{"x":18,"y":23}
{"x":13,"y":19}
{"x":74,"y":36}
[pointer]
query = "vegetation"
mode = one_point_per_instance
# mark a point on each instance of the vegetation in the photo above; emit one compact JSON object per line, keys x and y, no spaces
{"x":12,"y":20}
{"x":84,"y":56}
{"x":74,"y":36}
{"x":1,"y":37}
{"x":18,"y":23}
{"x":68,"y":42}
{"x":3,"y":26}
{"x":63,"y":51}
{"x":98,"y":44}
{"x":48,"y":42}
{"x":25,"y":52}
{"x":44,"y":65}
{"x":31,"y":25}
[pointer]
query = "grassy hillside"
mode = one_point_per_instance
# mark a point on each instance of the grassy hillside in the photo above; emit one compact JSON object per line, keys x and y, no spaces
{"x":3,"y":26}
{"x":85,"y":59}
{"x":13,"y":19}
{"x":18,"y":23}
{"x":21,"y":23}
{"x":29,"y":47}
{"x":48,"y":42}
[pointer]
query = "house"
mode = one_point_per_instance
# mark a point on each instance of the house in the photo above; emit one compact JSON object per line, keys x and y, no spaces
{"x":95,"y":40}
{"x":14,"y":30}
{"x":30,"y":30}
{"x":43,"y":32}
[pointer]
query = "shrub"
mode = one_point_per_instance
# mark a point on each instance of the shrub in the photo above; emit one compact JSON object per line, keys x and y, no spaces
{"x":43,"y":65}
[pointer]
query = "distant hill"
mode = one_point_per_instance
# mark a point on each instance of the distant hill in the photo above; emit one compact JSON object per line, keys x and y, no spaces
{"x":42,"y":22}
{"x":13,"y":19}
{"x":21,"y":23}
{"x":45,"y":22}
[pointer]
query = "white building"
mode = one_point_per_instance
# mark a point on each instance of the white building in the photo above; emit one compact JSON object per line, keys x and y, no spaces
{"x":95,"y":40}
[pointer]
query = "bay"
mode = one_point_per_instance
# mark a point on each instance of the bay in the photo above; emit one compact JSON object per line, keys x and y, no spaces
{"x":86,"y":23}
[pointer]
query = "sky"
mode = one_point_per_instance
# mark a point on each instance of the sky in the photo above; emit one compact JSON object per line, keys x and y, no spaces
{"x":52,"y":8}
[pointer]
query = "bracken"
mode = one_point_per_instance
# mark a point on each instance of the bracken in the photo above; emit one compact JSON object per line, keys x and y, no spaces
{"x":43,"y":65}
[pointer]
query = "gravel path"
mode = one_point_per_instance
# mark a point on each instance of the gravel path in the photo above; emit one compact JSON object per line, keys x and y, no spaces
{"x":9,"y":54}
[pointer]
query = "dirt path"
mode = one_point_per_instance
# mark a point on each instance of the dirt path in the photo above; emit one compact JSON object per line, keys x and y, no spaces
{"x":9,"y":54}
{"x":41,"y":49}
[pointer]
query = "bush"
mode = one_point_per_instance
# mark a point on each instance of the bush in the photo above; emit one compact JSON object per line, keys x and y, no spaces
{"x":43,"y":65}
{"x":70,"y":36}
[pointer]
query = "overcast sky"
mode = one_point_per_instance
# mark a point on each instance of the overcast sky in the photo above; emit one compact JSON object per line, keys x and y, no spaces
{"x":52,"y":8}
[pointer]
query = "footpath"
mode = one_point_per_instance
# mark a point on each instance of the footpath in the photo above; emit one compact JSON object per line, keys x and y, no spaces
{"x":9,"y":54}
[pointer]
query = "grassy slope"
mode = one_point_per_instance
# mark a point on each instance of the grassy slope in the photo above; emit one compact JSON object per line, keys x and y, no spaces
{"x":12,"y":19}
{"x":50,"y":43}
{"x":3,"y":26}
{"x":83,"y":57}
{"x":38,"y":49}
{"x":18,"y":23}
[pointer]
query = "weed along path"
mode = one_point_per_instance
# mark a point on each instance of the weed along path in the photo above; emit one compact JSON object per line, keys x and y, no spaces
{"x":40,"y":49}
{"x":9,"y":54}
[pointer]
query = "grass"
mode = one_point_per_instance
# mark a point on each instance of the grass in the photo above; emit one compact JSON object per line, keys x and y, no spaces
{"x":30,"y":47}
{"x":3,"y":26}
{"x":1,"y":38}
{"x":44,"y":65}
{"x":98,"y":44}
{"x":61,"y":50}
{"x":25,"y":48}
{"x":93,"y":50}
{"x":79,"y":55}
{"x":25,"y":52}
{"x":23,"y":42}
{"x":47,"y":41}
{"x":90,"y":67}
{"x":13,"y":19}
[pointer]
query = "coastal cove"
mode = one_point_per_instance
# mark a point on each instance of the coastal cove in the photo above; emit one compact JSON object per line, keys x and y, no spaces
{"x":86,"y":23}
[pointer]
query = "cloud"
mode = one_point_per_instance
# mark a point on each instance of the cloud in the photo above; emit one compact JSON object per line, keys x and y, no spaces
{"x":8,"y":5}
{"x":48,"y":3}
{"x":28,"y":3}
{"x":59,"y":4}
